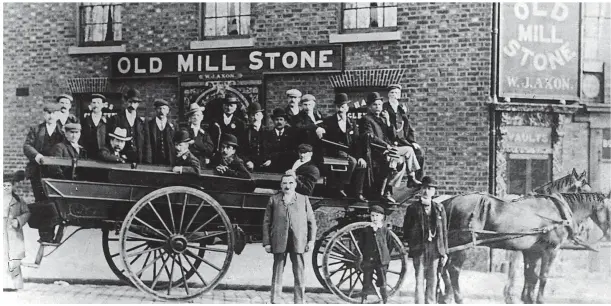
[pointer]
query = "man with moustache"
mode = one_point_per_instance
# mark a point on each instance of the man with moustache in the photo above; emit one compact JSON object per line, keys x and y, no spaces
{"x":229,"y":122}
{"x":309,"y":120}
{"x":117,"y":151}
{"x":292,"y":108}
{"x":95,"y":126}
{"x":279,"y":144}
{"x":253,"y":151}
{"x":161,"y":132}
{"x":136,"y":127}
{"x":226,"y":163}
{"x":63,"y":116}
{"x":68,"y":149}
{"x":202,"y":145}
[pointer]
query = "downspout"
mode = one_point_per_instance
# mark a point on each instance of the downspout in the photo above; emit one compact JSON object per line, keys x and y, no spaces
{"x":494,"y":96}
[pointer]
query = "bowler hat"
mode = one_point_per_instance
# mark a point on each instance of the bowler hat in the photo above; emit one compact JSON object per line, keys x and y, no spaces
{"x":394,"y":86}
{"x":98,"y":96}
{"x":307,"y":98}
{"x":50,"y":107}
{"x":133,"y":95}
{"x":65,"y":96}
{"x":428,"y":181}
{"x":229,"y":139}
{"x":304,"y":147}
{"x":341,"y":99}
{"x":193,"y":108}
{"x":120,"y":134}
{"x":293,"y":93}
{"x":231,"y":100}
{"x":14,"y":177}
{"x":181,"y":136}
{"x":254,"y":108}
{"x":372,"y":97}
{"x":160,"y":102}
{"x":376,"y":208}
{"x":72,"y":126}
{"x":279,"y":112}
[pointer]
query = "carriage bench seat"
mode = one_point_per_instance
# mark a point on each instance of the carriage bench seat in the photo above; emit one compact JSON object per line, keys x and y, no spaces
{"x":336,"y":164}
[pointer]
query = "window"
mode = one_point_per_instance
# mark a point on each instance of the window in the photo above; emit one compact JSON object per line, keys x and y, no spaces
{"x":528,"y":171}
{"x":226,"y":19}
{"x":369,"y":15}
{"x":597,"y":21}
{"x":100,"y":24}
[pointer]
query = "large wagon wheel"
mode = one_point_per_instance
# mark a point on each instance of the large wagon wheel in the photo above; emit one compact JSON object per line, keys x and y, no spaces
{"x":342,"y":264}
{"x":174,"y":224}
{"x":319,"y":252}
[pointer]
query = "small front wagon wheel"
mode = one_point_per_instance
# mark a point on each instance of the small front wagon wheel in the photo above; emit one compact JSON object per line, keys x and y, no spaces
{"x":187,"y":243}
{"x":343,"y":265}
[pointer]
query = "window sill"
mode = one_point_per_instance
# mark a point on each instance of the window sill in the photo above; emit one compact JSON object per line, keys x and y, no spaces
{"x":223,"y":43}
{"x":74,"y":50}
{"x":363,"y":37}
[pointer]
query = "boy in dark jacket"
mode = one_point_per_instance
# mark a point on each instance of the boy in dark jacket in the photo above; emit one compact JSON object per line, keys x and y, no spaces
{"x":376,"y":253}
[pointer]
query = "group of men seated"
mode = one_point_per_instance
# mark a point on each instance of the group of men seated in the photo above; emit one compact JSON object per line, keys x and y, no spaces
{"x":379,"y":150}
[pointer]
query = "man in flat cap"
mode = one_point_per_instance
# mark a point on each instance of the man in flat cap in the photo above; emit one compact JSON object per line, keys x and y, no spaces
{"x":293,"y":107}
{"x":117,"y":151}
{"x":95,"y":126}
{"x":136,"y":127}
{"x":279,"y":144}
{"x":161,"y":132}
{"x":228,"y":122}
{"x":202,"y":145}
{"x":38,"y":143}
{"x":225,"y":162}
{"x":308,"y":124}
{"x":63,"y":116}
{"x":305,"y":170}
{"x":69,"y":149}
{"x":399,"y":118}
{"x":253,"y":150}
{"x":340,"y":129}
{"x":425,"y":230}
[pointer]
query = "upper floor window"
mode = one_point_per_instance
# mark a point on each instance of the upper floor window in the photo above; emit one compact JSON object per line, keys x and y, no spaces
{"x":369,"y":15}
{"x":597,"y":21}
{"x":100,"y":23}
{"x":226,"y":19}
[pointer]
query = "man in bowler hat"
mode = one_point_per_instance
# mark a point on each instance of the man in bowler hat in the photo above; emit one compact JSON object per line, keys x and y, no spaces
{"x":136,"y":127}
{"x":279,"y":144}
{"x":253,"y":150}
{"x":289,"y":228}
{"x":228,"y":122}
{"x":185,"y":161}
{"x":226,"y":163}
{"x":425,"y":230}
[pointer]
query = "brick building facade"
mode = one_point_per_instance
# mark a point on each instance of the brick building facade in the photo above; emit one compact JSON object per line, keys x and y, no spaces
{"x":441,"y":53}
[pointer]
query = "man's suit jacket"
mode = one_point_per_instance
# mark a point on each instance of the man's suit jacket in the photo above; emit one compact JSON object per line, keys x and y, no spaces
{"x":297,"y":215}
{"x":107,"y":154}
{"x":375,"y":245}
{"x":93,"y":143}
{"x":34,"y":145}
{"x":71,"y":119}
{"x":274,"y":146}
{"x":168,"y":134}
{"x":307,"y":176}
{"x":202,"y":146}
{"x":414,"y":232}
{"x":350,"y":138}
{"x":307,"y":128}
{"x":189,"y":162}
{"x":236,"y":127}
{"x":65,"y":150}
{"x":141,"y":137}
{"x":377,"y":131}
{"x":406,"y":135}
{"x":252,"y":150}
{"x":236,"y":167}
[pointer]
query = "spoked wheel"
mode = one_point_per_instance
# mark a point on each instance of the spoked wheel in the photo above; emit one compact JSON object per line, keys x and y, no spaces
{"x":343,"y":265}
{"x":319,"y":251}
{"x":176,"y":232}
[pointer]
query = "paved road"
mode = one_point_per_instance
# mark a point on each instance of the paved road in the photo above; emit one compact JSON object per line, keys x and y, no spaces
{"x":81,"y":262}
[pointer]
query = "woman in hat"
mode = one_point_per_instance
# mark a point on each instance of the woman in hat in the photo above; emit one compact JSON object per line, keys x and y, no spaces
{"x":16,"y":214}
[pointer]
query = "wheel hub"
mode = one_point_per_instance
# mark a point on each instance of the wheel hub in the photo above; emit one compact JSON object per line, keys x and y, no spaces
{"x":178,"y":243}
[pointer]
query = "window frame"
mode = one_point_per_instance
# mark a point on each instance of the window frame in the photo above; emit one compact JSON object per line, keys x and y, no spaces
{"x":528,"y":171}
{"x":202,"y":24}
{"x":343,"y":30}
{"x":80,"y":29}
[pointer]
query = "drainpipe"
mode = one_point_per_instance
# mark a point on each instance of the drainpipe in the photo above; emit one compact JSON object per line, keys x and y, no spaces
{"x":494,"y":96}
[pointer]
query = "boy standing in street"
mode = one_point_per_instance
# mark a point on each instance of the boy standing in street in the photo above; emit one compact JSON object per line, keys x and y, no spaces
{"x":376,"y":254}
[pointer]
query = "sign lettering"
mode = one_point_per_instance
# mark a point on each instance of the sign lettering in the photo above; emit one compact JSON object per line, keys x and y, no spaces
{"x":528,"y":137}
{"x":539,"y":45}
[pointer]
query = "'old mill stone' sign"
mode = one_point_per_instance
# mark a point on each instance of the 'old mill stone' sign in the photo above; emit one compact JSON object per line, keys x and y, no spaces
{"x":539,"y":50}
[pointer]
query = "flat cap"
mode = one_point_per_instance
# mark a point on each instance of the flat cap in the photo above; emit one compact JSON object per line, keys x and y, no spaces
{"x":293,"y":93}
{"x":304,"y":147}
{"x":14,"y":177}
{"x":395,"y":86}
{"x":72,"y":127}
{"x":377,"y":208}
{"x":51,"y":107}
{"x":64,"y":96}
{"x":98,"y":96}
{"x":307,"y":98}
{"x":160,"y":102}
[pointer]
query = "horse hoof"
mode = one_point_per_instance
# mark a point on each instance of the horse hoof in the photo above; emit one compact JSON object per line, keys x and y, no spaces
{"x":540,"y":301}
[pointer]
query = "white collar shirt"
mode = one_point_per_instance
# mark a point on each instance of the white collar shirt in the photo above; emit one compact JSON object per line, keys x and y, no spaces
{"x":342,"y":123}
{"x":279,"y":132}
{"x":63,"y":117}
{"x":96,"y":118}
{"x":195,"y":128}
{"x":51,"y":128}
{"x":312,"y":117}
{"x":161,"y":123}
{"x":131,"y":118}
{"x":227,"y":119}
{"x":395,"y":105}
{"x":298,"y":164}
{"x":256,"y":126}
{"x":76,"y":147}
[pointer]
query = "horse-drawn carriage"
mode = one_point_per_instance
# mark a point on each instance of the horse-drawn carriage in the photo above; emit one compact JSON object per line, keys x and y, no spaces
{"x":173,"y":236}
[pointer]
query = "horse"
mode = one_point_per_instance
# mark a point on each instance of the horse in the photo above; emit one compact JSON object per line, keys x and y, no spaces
{"x":536,"y":225}
{"x":570,"y":183}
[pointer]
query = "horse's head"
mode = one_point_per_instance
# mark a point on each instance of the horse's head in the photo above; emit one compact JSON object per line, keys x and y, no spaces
{"x":579,"y":183}
{"x":602,"y":216}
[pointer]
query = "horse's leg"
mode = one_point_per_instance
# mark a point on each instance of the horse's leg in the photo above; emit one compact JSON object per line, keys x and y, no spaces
{"x":546,"y":262}
{"x":457,"y":259}
{"x":512,"y":270}
{"x":530,"y":276}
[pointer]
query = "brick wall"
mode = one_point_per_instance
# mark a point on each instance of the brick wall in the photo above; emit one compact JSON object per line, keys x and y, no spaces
{"x":445,"y":51}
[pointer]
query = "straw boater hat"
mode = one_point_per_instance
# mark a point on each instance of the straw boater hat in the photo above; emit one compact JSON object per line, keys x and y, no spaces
{"x":98,"y":96}
{"x":193,"y":108}
{"x":120,"y":134}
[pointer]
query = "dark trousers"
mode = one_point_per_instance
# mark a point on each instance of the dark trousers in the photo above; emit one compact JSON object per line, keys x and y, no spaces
{"x":380,"y":271}
{"x":380,"y":169}
{"x":425,"y":267}
{"x":298,"y":276}
{"x":281,"y":162}
{"x":46,"y":232}
{"x":352,"y":175}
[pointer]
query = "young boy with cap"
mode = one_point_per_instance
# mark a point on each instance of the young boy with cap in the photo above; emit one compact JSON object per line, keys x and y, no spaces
{"x":226,"y":163}
{"x":117,"y":151}
{"x":161,"y":131}
{"x":185,"y":161}
{"x":374,"y":244}
{"x":305,"y":170}
{"x":16,"y":214}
